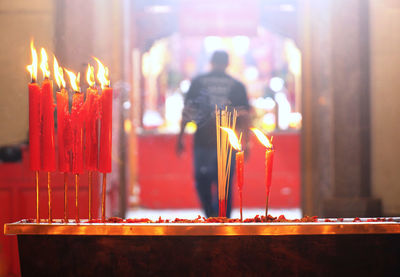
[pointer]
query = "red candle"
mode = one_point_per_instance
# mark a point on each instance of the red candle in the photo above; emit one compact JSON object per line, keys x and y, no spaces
{"x":239,"y":175}
{"x":91,"y":122}
{"x":77,"y":122}
{"x":269,"y":160}
{"x":105,"y":130}
{"x":62,"y":131}
{"x":91,"y":129}
{"x":77,"y":133}
{"x":47,"y":143}
{"x":34,"y":126}
{"x":47,"y":112}
{"x":63,"y":118}
{"x":34,"y":113}
{"x":105,"y":105}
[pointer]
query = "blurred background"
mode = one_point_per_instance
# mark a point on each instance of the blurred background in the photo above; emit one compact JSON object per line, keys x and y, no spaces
{"x":322,"y":78}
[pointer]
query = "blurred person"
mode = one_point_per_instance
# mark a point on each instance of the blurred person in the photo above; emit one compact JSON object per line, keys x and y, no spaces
{"x":206,"y":91}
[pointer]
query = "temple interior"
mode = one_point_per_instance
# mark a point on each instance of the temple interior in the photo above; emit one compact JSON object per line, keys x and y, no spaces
{"x":322,"y":79}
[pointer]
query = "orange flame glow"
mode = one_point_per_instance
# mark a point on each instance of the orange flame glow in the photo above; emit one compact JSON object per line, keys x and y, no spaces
{"x":90,"y":76}
{"x":74,"y":80}
{"x":102,"y":74}
{"x":233,"y":139}
{"x":262,"y":138}
{"x":44,"y":65}
{"x":58,"y":74}
{"x":33,"y":68}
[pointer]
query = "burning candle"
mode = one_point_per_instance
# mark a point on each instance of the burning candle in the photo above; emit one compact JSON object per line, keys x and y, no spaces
{"x":269,"y":159}
{"x":91,"y":130}
{"x":235,"y":142}
{"x":106,"y":119}
{"x":76,"y":124}
{"x":47,"y":112}
{"x":62,"y":119}
{"x":63,"y":130}
{"x":105,"y":129}
{"x":77,"y":134}
{"x":91,"y":116}
{"x":48,"y":154}
{"x":34,"y":124}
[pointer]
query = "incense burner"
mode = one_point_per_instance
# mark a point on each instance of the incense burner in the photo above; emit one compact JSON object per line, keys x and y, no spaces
{"x":291,"y":248}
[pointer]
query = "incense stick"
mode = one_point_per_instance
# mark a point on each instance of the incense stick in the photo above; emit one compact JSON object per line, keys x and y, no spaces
{"x":90,"y":195}
{"x":103,"y":201}
{"x":224,"y":118}
{"x":37,"y":196}
{"x":77,"y":198}
{"x":49,"y":193}
{"x":65,"y":196}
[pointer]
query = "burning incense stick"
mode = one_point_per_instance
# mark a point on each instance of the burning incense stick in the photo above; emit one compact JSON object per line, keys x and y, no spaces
{"x":227,"y":119}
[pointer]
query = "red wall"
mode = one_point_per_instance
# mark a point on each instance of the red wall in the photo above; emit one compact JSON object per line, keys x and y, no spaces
{"x":166,"y":180}
{"x":18,"y":201}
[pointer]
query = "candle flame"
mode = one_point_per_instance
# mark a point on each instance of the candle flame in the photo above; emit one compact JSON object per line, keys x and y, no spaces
{"x":74,"y":80}
{"x":262,"y":138}
{"x":44,"y":65}
{"x":58,"y":74}
{"x":32,"y":68}
{"x":102,"y":74}
{"x":90,"y":76}
{"x":233,"y":139}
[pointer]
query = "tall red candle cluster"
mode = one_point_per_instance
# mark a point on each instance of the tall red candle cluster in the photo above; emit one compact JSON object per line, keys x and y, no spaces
{"x":77,"y":128}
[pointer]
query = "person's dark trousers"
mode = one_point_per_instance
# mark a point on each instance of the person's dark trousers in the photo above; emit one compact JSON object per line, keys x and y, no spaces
{"x":206,"y":176}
